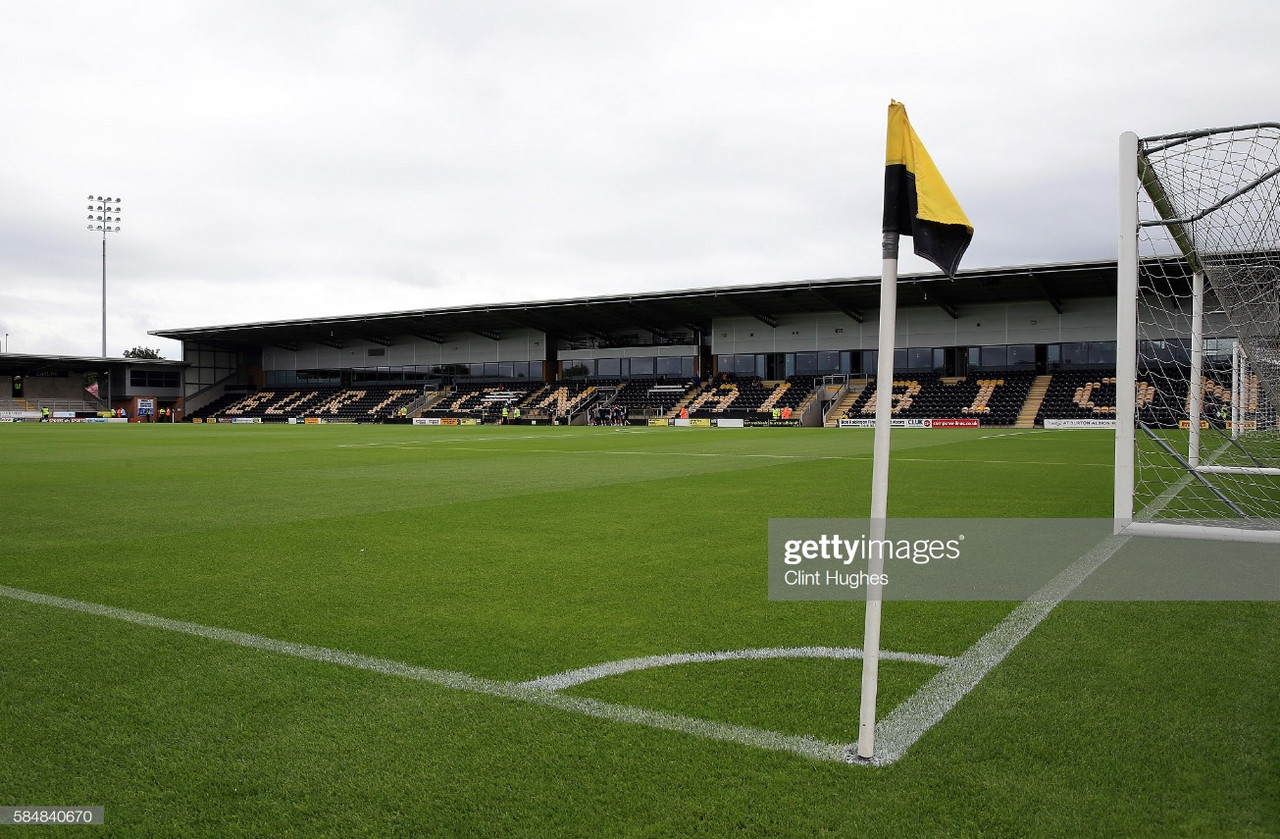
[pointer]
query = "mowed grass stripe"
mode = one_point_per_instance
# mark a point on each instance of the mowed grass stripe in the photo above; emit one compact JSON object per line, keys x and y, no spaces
{"x":511,"y":590}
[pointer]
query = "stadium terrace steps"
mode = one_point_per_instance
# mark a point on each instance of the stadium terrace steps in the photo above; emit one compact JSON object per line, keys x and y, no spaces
{"x":842,"y":410}
{"x":1035,"y":397}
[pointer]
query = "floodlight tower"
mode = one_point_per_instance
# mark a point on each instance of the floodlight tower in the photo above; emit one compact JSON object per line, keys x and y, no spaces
{"x":104,"y":216}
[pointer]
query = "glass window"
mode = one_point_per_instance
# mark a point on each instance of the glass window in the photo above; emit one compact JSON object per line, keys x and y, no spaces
{"x":686,"y":366}
{"x":828,"y":362}
{"x":670,"y":365}
{"x":919,"y":359}
{"x":899,"y":360}
{"x":1022,"y":355}
{"x":642,"y":366}
{"x":608,"y":368}
{"x":153,"y":378}
{"x":870,"y":358}
{"x":1219,"y":349}
{"x":1075,"y":353}
{"x":806,"y":363}
{"x":319,"y":377}
{"x":994,"y":357}
{"x":1102,"y":352}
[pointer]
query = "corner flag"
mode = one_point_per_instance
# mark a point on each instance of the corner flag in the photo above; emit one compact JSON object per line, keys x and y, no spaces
{"x":917,"y":201}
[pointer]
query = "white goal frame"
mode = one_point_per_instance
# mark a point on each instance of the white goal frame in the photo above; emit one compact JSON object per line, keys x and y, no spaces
{"x":1127,"y":348}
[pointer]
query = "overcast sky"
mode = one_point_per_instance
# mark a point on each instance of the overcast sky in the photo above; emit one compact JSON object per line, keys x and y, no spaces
{"x":282,"y":160}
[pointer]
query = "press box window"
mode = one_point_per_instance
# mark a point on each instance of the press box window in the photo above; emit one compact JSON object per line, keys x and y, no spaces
{"x":154,"y":378}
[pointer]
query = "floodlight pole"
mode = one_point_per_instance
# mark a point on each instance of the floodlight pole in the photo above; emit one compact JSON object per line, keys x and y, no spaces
{"x":101,"y":218}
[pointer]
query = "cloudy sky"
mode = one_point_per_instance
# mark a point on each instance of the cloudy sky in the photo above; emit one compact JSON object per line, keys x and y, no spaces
{"x":281,"y":160}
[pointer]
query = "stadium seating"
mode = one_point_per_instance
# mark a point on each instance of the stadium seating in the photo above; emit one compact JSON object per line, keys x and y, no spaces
{"x":644,"y":398}
{"x":366,"y":403}
{"x":565,"y":399}
{"x":212,"y":409}
{"x":1079,"y":394}
{"x":992,"y":397}
{"x":1161,"y":407}
{"x":749,"y":398}
{"x":481,"y":400}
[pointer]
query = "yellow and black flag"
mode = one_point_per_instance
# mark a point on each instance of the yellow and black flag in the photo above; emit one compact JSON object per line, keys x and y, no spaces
{"x":917,"y":201}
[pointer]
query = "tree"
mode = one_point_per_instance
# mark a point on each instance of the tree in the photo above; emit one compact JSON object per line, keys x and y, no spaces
{"x":142,"y":352}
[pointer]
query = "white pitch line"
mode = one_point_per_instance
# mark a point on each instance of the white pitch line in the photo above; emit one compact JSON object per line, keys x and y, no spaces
{"x":736,"y":456}
{"x":1020,"y":432}
{"x":636,"y":453}
{"x":743,"y":735}
{"x":895,"y":734}
{"x":908,"y":722}
{"x":570,"y":678}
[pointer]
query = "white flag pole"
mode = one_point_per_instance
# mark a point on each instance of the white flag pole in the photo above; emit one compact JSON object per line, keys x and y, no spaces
{"x":879,"y":492}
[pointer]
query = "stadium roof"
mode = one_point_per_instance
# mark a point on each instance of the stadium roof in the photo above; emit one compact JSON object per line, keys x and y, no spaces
{"x":684,"y":311}
{"x":30,"y":365}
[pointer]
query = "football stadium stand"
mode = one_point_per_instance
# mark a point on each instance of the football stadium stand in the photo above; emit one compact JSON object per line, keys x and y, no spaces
{"x":992,"y":397}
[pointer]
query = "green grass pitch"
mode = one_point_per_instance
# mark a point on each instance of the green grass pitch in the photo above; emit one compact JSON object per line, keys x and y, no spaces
{"x":514,"y":553}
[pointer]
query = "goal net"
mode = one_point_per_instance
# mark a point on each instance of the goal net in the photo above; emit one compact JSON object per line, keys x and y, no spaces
{"x":1198,"y":334}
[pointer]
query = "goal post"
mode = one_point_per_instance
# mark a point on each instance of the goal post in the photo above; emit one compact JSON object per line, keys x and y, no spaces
{"x":1197,"y":450}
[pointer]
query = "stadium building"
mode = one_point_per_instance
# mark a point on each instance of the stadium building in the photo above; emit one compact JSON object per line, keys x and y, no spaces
{"x":89,"y":388}
{"x":1004,"y":346}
